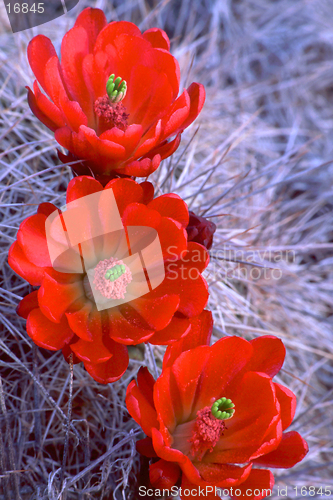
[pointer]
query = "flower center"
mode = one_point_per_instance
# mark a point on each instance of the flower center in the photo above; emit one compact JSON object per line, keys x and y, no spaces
{"x":111,"y":277}
{"x":209,"y":426}
{"x":109,"y":108}
{"x":111,"y":115}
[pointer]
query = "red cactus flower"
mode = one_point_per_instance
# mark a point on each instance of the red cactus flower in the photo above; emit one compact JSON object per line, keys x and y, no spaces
{"x":119,"y":125}
{"x":200,"y":230}
{"x":64,"y":312}
{"x":214,"y":418}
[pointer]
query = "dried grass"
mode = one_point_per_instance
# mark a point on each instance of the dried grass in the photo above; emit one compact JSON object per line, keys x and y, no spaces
{"x":261,"y":156}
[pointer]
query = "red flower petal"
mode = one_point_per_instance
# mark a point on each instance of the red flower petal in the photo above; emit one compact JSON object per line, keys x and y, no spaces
{"x":176,"y":329}
{"x":187,"y":381}
{"x":271,"y":439}
{"x":73,"y":113}
{"x":79,"y":321}
{"x":149,"y":140}
{"x":168,"y":401}
{"x":127,"y":327}
{"x":44,"y":109}
{"x":158,"y":312}
{"x":246,"y":430}
{"x":196,"y":257}
{"x":158,"y":38}
{"x":100,"y":348}
{"x":164,"y":474}
{"x":166,"y":149}
{"x":140,"y":409}
{"x":92,"y":352}
{"x":268,"y":355}
{"x":287,"y":400}
{"x":93,"y":21}
{"x":40,"y":51}
{"x":227,"y":358}
{"x":126,"y":191}
{"x":19,"y":262}
{"x":165,"y":452}
{"x":95,"y":74}
{"x":137,"y":214}
{"x":187,"y":485}
{"x":67,"y":351}
{"x":258,"y":483}
{"x":197,"y":94}
{"x":103,"y":148}
{"x":53,"y":81}
{"x":139,"y":56}
{"x":193,"y":294}
{"x":166,"y":63}
{"x":171,"y":205}
{"x":148,"y":192}
{"x":145,"y":447}
{"x":88,"y":146}
{"x":27,"y":304}
{"x":55,"y":298}
{"x":45,"y":333}
{"x":200,"y":334}
{"x":149,"y":93}
{"x":74,"y":47}
{"x":176,"y":116}
{"x":31,"y":236}
{"x":223,"y":475}
{"x":112,"y":31}
{"x":82,"y":186}
{"x":46,"y":209}
{"x":146,"y":384}
{"x":128,"y":139}
{"x":140,"y":168}
{"x":112,"y":370}
{"x":169,"y":231}
{"x":64,"y":137}
{"x":291,"y":450}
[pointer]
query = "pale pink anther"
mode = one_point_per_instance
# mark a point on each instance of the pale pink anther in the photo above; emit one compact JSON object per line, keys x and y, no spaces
{"x":111,"y":289}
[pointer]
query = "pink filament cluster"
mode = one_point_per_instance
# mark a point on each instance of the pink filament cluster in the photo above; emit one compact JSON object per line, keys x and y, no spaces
{"x":111,"y":289}
{"x":206,"y":433}
{"x":113,"y":115}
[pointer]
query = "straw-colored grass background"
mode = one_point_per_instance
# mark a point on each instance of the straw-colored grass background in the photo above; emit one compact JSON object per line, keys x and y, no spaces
{"x":262,"y":156}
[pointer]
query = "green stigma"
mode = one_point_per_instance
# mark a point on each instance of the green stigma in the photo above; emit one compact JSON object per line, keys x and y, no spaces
{"x":116,"y":89}
{"x":223,"y":408}
{"x":114,"y":272}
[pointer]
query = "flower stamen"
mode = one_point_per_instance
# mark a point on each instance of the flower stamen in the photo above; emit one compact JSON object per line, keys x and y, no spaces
{"x":223,"y":409}
{"x":110,"y":278}
{"x":115,"y":272}
{"x":206,"y":433}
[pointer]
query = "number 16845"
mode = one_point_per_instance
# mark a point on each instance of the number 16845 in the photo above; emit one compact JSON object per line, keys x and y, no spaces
{"x":36,"y":8}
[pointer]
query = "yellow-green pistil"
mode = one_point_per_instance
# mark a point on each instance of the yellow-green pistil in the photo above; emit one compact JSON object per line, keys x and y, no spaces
{"x":114,"y":272}
{"x":116,"y":89}
{"x":223,"y":408}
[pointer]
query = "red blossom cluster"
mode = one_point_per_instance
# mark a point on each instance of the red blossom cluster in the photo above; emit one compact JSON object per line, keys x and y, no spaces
{"x":93,"y":297}
{"x":75,"y":105}
{"x":186,"y":443}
